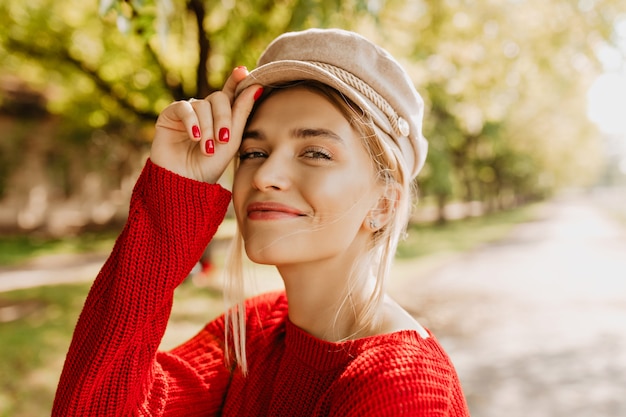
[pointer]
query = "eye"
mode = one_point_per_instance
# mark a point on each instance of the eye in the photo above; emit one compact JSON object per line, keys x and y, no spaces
{"x":243,"y":156}
{"x":317,"y":153}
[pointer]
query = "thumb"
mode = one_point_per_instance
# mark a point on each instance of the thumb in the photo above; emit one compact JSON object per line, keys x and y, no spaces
{"x":235,"y":78}
{"x":242,"y":108}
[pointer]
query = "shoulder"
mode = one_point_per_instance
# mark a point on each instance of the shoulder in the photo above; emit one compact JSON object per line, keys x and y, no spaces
{"x":266,"y":311}
{"x":404,"y":355}
{"x":400,"y":374}
{"x":395,"y":318}
{"x":267,"y":305}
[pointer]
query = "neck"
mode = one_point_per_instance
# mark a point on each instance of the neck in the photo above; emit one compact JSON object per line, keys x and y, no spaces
{"x":320,"y":301}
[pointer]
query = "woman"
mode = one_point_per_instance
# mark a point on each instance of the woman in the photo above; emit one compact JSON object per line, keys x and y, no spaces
{"x":327,"y":135}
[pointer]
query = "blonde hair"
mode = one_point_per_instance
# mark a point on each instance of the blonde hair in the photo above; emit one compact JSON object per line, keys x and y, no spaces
{"x":391,"y":171}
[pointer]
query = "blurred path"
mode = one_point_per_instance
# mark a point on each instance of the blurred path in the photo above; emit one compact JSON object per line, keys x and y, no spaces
{"x":536,"y":324}
{"x":51,"y":270}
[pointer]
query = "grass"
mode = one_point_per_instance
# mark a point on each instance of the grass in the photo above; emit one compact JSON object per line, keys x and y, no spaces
{"x":36,"y":324}
{"x":461,"y":235}
{"x":17,"y":249}
{"x":35,"y":328}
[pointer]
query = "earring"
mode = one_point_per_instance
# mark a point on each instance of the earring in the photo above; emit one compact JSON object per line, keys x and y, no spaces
{"x":373,"y":224}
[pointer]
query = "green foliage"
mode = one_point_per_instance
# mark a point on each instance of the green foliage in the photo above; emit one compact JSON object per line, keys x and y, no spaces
{"x":91,"y":73}
{"x":127,"y":60}
{"x":504,"y":82}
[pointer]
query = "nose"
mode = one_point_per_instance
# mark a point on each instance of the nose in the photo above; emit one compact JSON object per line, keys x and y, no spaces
{"x":272,"y":174}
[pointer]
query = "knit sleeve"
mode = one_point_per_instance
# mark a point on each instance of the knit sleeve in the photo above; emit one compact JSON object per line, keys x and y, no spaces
{"x":111,"y":368}
{"x":400,"y":380}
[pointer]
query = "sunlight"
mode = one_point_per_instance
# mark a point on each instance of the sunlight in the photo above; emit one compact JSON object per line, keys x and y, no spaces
{"x":606,"y":99}
{"x":606,"y":103}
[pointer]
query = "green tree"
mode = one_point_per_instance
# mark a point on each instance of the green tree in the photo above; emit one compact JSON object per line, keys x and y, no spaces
{"x":505,"y":87}
{"x":504,"y":81}
{"x":131,"y":58}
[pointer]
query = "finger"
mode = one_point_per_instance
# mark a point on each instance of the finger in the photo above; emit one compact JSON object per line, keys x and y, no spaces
{"x":178,"y":116}
{"x":196,"y":129}
{"x":221,"y":115}
{"x":235,"y":78}
{"x":242,"y":107}
{"x":204,"y":113}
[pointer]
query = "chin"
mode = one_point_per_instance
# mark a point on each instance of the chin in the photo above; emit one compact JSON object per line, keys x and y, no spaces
{"x":279,"y":255}
{"x":265,"y":256}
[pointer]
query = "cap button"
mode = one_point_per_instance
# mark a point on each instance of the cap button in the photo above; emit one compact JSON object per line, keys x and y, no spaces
{"x":403,"y":127}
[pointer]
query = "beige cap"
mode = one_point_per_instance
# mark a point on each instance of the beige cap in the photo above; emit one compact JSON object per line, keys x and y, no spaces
{"x":354,"y":66}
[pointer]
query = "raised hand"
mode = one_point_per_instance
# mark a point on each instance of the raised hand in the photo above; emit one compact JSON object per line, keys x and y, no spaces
{"x":197,"y":139}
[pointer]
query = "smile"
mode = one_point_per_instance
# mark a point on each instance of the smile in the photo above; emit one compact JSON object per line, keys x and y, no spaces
{"x":271,"y":211}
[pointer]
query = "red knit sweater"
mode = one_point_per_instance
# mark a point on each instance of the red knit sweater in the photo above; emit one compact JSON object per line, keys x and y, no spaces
{"x":113,"y":367}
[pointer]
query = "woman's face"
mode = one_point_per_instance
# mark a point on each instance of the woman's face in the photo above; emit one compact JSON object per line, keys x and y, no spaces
{"x":305,"y":183}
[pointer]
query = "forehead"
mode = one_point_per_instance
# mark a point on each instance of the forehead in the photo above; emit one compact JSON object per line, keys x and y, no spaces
{"x":301,"y":106}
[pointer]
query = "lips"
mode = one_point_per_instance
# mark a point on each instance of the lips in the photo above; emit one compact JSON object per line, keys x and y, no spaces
{"x":271,"y":211}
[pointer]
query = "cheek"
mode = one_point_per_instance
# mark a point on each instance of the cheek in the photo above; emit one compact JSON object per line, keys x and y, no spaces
{"x":338,"y":197}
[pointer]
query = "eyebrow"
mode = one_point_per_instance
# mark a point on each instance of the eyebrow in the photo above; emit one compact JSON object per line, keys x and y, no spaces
{"x":300,"y":133}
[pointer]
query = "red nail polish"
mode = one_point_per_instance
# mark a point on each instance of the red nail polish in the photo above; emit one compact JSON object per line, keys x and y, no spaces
{"x":195,"y":130}
{"x":224,"y":135}
{"x":258,"y":93}
{"x":209,"y":146}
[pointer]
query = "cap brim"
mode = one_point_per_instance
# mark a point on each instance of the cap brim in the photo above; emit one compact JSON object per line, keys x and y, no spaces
{"x":276,"y":73}
{"x":279,"y":72}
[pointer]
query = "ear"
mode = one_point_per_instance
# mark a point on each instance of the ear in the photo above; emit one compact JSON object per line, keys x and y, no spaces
{"x":382,"y":213}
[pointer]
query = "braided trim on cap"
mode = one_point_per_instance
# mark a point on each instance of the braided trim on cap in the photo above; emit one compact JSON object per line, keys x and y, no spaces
{"x":398,"y":124}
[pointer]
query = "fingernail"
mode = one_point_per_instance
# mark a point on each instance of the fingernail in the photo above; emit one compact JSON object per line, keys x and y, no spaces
{"x":258,"y":93}
{"x":224,"y":135}
{"x":209,"y":146}
{"x":241,"y":67}
{"x":195,"y":130}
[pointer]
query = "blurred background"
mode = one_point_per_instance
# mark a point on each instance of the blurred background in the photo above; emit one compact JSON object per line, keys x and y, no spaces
{"x":516,"y":254}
